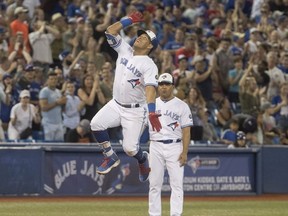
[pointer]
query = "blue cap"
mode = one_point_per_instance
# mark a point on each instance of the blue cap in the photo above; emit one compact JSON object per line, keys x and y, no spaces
{"x":236,"y":51}
{"x":29,"y":67}
{"x":241,"y":135}
{"x":63,"y":55}
{"x":151,"y":36}
{"x":6,"y":75}
{"x":2,"y":30}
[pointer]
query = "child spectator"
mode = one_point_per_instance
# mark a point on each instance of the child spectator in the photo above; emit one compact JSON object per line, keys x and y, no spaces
{"x":229,"y":135}
{"x":240,"y":141}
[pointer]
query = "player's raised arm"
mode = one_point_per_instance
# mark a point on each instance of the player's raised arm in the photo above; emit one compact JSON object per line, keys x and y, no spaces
{"x":134,"y":17}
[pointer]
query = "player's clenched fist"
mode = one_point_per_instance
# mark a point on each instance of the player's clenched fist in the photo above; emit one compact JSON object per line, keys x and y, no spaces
{"x":154,"y":120}
{"x":134,"y":17}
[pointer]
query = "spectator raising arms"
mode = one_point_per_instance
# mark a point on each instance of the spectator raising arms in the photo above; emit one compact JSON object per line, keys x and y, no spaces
{"x":73,"y":108}
{"x":92,"y":95}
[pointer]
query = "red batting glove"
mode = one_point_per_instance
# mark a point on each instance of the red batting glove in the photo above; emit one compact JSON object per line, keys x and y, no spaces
{"x":154,"y":120}
{"x":136,"y":16}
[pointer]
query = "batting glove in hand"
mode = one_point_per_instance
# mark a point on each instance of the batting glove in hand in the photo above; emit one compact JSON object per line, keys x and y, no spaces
{"x":154,"y":120}
{"x":136,"y":16}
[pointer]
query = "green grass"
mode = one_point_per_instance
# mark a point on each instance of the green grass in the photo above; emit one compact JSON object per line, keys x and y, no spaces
{"x":139,"y":208}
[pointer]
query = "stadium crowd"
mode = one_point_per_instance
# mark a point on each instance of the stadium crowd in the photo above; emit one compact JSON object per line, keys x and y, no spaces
{"x":229,"y":60}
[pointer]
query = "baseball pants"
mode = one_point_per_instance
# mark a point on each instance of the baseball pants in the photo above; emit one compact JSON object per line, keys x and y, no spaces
{"x":161,"y":156}
{"x":132,"y":120}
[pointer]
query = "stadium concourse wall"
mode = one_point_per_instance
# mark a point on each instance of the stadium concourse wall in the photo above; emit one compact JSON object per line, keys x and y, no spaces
{"x":52,"y":169}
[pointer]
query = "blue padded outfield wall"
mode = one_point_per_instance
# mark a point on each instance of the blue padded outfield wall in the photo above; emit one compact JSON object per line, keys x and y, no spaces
{"x":71,"y":170}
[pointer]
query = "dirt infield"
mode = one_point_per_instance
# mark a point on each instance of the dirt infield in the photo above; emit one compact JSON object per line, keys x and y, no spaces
{"x":266,"y":197}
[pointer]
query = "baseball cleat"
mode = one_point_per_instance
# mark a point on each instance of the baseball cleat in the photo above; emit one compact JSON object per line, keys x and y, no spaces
{"x":107,"y":164}
{"x":144,"y":169}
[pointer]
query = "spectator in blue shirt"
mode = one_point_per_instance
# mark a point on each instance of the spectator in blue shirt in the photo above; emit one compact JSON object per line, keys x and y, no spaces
{"x":229,"y":135}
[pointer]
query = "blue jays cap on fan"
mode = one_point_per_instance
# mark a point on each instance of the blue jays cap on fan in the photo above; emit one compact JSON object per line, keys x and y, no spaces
{"x":151,"y":36}
{"x":166,"y":78}
{"x":240,"y":135}
{"x":63,"y":55}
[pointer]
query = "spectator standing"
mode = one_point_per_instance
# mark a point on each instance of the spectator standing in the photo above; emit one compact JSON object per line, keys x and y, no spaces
{"x":177,"y":43}
{"x":100,"y":22}
{"x":270,"y":130}
{"x":107,"y":78}
{"x":223,"y":62}
{"x":51,"y":102}
{"x":69,"y":35}
{"x":73,"y":108}
{"x":11,"y":9}
{"x":40,"y":41}
{"x":224,"y":113}
{"x":196,"y":103}
{"x":203,"y":78}
{"x":283,"y":65}
{"x":92,"y":95}
{"x":73,"y":7}
{"x":22,"y":115}
{"x":20,"y":30}
{"x":182,"y":70}
{"x":12,"y":93}
{"x":234,"y":77}
{"x":3,"y":43}
{"x":209,"y":132}
{"x":4,"y":98}
{"x":187,"y":50}
{"x":276,"y":76}
{"x":251,"y":46}
{"x":281,"y":108}
{"x":31,"y":5}
{"x":59,"y":24}
{"x":249,"y":93}
{"x":27,"y":81}
{"x":167,"y":62}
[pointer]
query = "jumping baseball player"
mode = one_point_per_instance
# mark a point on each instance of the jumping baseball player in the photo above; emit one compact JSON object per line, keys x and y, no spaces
{"x":134,"y":90}
{"x":169,"y":147}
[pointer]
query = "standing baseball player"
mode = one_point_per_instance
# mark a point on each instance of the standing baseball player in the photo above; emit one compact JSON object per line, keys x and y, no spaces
{"x":134,"y":90}
{"x":169,"y":147}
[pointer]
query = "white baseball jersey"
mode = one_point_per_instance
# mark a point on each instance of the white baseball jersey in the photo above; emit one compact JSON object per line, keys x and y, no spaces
{"x":132,"y":73}
{"x":175,"y":115}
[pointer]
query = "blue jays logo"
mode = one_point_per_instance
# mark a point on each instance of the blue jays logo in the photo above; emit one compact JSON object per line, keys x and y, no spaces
{"x":194,"y":163}
{"x":134,"y":82}
{"x":173,"y":125}
{"x":207,"y":163}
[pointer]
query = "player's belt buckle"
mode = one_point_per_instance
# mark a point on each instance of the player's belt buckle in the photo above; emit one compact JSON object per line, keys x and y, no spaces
{"x":128,"y":105}
{"x":169,"y":141}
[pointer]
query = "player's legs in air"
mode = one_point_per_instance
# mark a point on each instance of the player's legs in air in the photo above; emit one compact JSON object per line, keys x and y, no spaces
{"x":133,"y":124}
{"x":107,"y":117}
